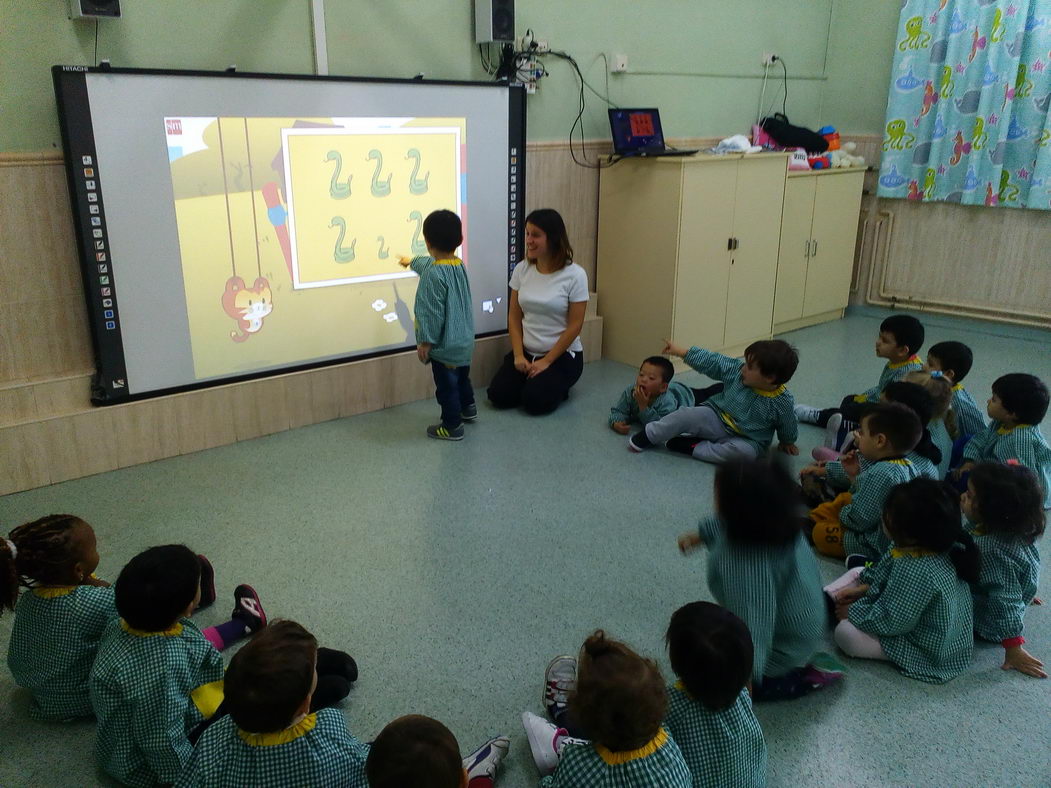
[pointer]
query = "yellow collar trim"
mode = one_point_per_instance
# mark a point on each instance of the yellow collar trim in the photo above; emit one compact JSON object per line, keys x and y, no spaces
{"x":911,"y":552}
{"x":172,"y":631}
{"x":448,"y":261}
{"x":53,"y":592}
{"x":898,"y":461}
{"x":775,"y":393}
{"x":682,"y":688}
{"x":1002,"y":430}
{"x":958,"y":387}
{"x":978,"y":530}
{"x":291,"y":733}
{"x":617,"y":758}
{"x":913,"y":359}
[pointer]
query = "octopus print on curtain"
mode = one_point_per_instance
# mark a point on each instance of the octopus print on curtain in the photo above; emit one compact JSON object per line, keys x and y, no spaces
{"x":967,"y":117}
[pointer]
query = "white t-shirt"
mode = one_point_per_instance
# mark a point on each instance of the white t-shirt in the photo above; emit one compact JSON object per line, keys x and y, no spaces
{"x":545,"y":300}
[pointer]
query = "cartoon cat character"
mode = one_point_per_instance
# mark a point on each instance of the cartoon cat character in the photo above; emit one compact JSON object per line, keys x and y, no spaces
{"x":248,"y":306}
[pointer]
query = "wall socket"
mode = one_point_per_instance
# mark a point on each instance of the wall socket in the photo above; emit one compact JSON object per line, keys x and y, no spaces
{"x":768,"y":59}
{"x":618,"y":64}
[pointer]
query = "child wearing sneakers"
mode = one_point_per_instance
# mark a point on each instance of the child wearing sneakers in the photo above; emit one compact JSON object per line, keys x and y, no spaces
{"x":1016,"y":408}
{"x":761,"y":569}
{"x":60,"y":620}
{"x":156,"y":676}
{"x":899,"y":340}
{"x":954,"y":360}
{"x":1003,"y":510}
{"x":272,"y":733}
{"x":420,"y":752}
{"x":445,"y":322}
{"x":618,"y":699}
{"x":709,"y":708}
{"x":739,"y":422}
{"x":653,"y":396}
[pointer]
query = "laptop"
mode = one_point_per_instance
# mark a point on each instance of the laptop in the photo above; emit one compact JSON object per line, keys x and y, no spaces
{"x":637,"y":132}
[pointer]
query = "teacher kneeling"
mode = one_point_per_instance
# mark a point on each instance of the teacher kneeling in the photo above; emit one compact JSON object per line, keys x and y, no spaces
{"x":549,"y":293}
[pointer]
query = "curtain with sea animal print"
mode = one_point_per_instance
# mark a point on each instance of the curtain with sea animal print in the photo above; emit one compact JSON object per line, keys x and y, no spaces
{"x":967,"y":117}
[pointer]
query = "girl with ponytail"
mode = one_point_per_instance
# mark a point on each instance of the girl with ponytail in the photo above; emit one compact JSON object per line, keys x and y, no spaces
{"x":913,"y":607}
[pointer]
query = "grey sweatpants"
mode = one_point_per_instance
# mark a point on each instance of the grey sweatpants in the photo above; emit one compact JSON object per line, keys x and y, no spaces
{"x":718,"y":443}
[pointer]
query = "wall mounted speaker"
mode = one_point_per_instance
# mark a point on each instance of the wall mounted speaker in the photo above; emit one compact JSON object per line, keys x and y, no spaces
{"x":494,"y":20}
{"x":94,"y":9}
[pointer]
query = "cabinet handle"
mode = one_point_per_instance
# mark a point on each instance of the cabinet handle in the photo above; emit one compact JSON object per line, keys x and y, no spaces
{"x":806,"y":252}
{"x":737,"y":243}
{"x":729,"y":244}
{"x":814,"y":253}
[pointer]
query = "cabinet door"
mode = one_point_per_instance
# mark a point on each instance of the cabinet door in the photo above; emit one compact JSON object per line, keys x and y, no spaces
{"x":758,"y":201}
{"x":704,"y":262}
{"x":837,"y":204}
{"x":795,"y":241}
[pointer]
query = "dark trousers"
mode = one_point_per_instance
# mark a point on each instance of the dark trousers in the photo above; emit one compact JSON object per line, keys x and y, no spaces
{"x":539,"y":395}
{"x":452,"y":389}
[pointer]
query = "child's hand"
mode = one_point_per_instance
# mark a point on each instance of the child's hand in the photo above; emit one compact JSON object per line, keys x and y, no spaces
{"x":620,"y":427}
{"x":671,"y":349}
{"x":689,"y":542}
{"x":642,"y":399}
{"x":423,"y":351}
{"x":814,"y":469}
{"x":1019,"y":659}
{"x":788,"y":448}
{"x":404,"y":261}
{"x":965,"y":468}
{"x":851,"y":464}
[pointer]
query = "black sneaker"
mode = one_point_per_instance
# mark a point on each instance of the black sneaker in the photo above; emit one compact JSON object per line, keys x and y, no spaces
{"x":248,"y":608}
{"x":639,"y":442}
{"x":444,"y":433}
{"x":207,"y":583}
{"x":683,"y":444}
{"x":469,"y":412}
{"x":331,"y":661}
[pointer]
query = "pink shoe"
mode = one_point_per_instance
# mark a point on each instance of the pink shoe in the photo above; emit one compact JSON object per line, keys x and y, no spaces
{"x":824,"y":454}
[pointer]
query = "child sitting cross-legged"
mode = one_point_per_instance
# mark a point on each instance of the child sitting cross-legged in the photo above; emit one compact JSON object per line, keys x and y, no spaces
{"x":60,"y":620}
{"x":653,"y":396}
{"x":1017,"y":406}
{"x":617,"y":699}
{"x":421,"y":752}
{"x":156,"y":675}
{"x":739,"y":422}
{"x":761,"y":569}
{"x":1002,"y":505}
{"x":710,"y":707}
{"x":913,"y":606}
{"x":272,"y":734}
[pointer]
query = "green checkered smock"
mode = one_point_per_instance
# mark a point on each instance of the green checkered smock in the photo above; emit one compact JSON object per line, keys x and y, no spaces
{"x":658,"y":764}
{"x":140,"y":688}
{"x":723,"y":749}
{"x":940,"y":437}
{"x":862,"y":518}
{"x":1007,"y":581}
{"x":316,"y":751}
{"x":970,"y":419}
{"x":776,"y":591}
{"x":678,"y":395}
{"x":890,"y":374}
{"x":444,"y":313}
{"x":921,"y":612}
{"x":753,"y":414}
{"x":53,"y":644}
{"x":1023,"y":442}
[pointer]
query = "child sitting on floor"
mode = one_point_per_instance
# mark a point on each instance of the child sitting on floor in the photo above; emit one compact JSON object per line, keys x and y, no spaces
{"x":60,"y":621}
{"x":653,"y":396}
{"x":740,"y":421}
{"x":942,"y":422}
{"x":913,"y":607}
{"x":709,"y":708}
{"x":618,"y":699}
{"x":1003,"y":508}
{"x":271,"y":735}
{"x":156,"y":676}
{"x":1017,"y":406}
{"x":850,"y":524}
{"x":761,"y":569}
{"x":420,"y":751}
{"x":954,"y":360}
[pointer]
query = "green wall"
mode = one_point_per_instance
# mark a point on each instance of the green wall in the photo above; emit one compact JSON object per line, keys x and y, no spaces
{"x":698,"y":60}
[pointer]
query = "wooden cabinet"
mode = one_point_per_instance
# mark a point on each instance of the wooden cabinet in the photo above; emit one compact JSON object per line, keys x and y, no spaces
{"x":818,"y":233}
{"x":688,"y":249}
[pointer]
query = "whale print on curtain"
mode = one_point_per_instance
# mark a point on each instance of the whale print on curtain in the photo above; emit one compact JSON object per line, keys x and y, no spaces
{"x":967,"y":118}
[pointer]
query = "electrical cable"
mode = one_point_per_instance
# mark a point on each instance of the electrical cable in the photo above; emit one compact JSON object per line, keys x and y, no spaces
{"x":578,"y":122}
{"x":762,"y":95}
{"x":96,"y":41}
{"x":784,"y":101}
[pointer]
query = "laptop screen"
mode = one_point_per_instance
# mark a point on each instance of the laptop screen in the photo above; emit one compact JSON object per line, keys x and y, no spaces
{"x":635,"y":129}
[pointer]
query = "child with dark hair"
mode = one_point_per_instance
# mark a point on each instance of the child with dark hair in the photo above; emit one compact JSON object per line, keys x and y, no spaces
{"x":445,"y":322}
{"x":654,"y":395}
{"x":761,"y":569}
{"x":739,"y":422}
{"x":954,"y":360}
{"x":619,"y":699}
{"x":937,"y":438}
{"x":1002,"y":505}
{"x":850,"y":524}
{"x":420,"y":752}
{"x":1016,"y":408}
{"x":273,"y":732}
{"x":60,"y":621}
{"x":709,"y":708}
{"x":899,"y":340}
{"x":156,"y":675}
{"x":913,"y":607}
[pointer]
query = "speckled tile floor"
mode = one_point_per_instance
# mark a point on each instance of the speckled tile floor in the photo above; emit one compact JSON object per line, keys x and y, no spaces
{"x":453,"y":572}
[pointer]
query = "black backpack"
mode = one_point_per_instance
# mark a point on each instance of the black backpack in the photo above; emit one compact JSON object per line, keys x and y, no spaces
{"x":789,"y":136}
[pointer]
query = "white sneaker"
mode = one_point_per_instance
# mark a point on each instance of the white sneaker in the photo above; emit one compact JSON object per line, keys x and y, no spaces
{"x":560,"y":679}
{"x":831,"y":429}
{"x":807,"y":414}
{"x":485,"y":761}
{"x":546,"y":741}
